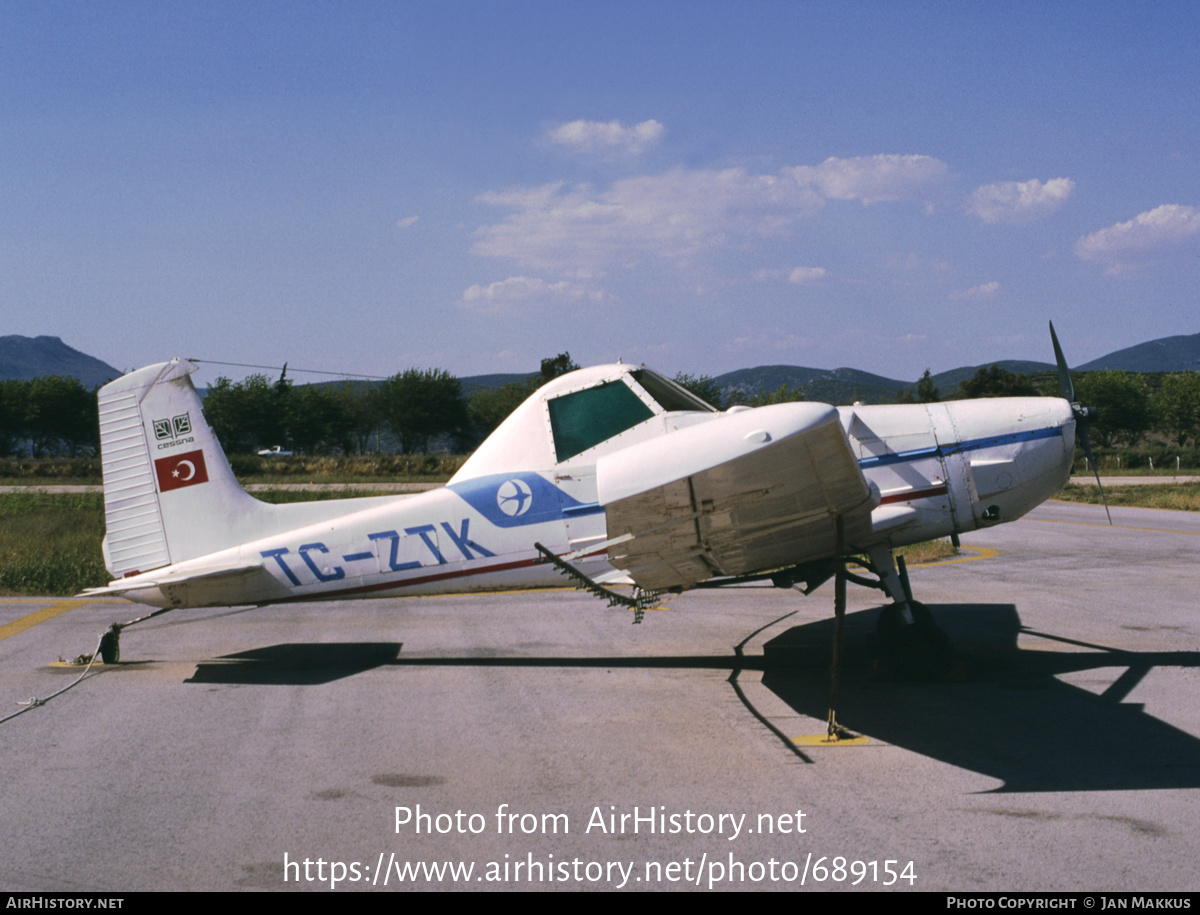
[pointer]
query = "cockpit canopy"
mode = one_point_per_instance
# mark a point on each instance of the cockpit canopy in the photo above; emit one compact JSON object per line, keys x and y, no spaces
{"x":579,"y":416}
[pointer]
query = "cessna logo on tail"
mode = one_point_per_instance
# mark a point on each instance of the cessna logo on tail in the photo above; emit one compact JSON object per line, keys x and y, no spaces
{"x":174,"y":427}
{"x":180,"y":470}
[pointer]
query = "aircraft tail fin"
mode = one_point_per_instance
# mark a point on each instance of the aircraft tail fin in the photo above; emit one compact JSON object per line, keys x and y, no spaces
{"x":169,"y":492}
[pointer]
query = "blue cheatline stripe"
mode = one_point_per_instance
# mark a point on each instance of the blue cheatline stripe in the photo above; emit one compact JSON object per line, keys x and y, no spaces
{"x":585,"y":508}
{"x":899,"y":457}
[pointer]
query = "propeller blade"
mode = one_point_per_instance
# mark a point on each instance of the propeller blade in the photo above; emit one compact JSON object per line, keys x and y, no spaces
{"x":1064,"y":375}
{"x":1087,"y":450}
{"x":1083,"y":415}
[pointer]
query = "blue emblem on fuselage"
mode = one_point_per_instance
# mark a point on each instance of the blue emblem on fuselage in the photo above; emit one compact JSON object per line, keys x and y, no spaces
{"x":515,"y":499}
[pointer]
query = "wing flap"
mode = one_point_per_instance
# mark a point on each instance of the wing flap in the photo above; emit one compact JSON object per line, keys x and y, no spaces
{"x":749,"y":491}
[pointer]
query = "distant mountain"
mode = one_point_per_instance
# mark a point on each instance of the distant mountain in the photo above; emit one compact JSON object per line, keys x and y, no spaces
{"x":948,"y":382}
{"x":821,"y":385}
{"x":1167,"y":354}
{"x":26,"y":358}
{"x":845,"y":386}
{"x":473,"y":383}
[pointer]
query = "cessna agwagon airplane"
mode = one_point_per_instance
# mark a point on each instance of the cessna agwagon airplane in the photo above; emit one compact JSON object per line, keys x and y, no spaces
{"x":612,"y":474}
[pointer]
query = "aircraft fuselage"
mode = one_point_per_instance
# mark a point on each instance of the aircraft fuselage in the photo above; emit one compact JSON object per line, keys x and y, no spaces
{"x":933,"y":469}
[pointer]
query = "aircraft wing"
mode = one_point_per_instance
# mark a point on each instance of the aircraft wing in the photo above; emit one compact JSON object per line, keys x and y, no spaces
{"x":750,"y":491}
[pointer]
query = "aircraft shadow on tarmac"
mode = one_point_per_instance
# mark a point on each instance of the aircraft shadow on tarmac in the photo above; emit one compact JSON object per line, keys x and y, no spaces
{"x":1004,"y":713}
{"x":307,"y":664}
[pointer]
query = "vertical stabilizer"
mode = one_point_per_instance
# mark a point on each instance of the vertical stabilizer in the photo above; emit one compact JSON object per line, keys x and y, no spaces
{"x":169,"y":492}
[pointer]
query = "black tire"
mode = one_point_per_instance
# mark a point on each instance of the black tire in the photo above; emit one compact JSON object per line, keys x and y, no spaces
{"x":110,"y":647}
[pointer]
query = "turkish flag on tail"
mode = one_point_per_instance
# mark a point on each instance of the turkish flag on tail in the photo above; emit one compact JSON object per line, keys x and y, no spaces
{"x":180,"y":470}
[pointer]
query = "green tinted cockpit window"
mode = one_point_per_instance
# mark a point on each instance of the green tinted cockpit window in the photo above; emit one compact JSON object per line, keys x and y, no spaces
{"x":670,"y":396}
{"x":586,"y":418}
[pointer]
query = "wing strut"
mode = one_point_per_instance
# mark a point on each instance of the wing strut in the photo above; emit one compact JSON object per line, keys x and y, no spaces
{"x":836,"y":735}
{"x":836,"y":731}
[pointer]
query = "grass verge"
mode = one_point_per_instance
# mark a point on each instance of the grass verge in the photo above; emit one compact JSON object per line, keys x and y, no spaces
{"x":929,"y":551}
{"x":1177,"y":496}
{"x":50,"y":544}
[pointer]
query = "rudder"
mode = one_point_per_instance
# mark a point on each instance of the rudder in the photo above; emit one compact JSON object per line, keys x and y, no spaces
{"x":169,"y":492}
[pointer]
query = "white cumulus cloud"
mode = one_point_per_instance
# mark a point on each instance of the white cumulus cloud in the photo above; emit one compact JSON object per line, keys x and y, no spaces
{"x":874,"y":179}
{"x":582,"y":230}
{"x":669,"y":216}
{"x":520,"y":289}
{"x":806,"y":275}
{"x":606,"y":136}
{"x":769,"y":339}
{"x":978,"y":293}
{"x":1124,"y":246}
{"x":1019,"y":201}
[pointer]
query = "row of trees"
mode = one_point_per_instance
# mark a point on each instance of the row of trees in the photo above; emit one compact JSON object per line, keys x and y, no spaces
{"x":48,"y":416}
{"x":57,"y":416}
{"x":417,"y":408}
{"x":414,"y":410}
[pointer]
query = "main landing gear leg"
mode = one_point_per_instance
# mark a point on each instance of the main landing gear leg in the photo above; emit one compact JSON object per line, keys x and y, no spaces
{"x":911,"y":643}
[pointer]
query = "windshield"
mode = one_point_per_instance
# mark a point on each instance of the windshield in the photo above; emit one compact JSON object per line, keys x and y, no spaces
{"x":586,"y":418}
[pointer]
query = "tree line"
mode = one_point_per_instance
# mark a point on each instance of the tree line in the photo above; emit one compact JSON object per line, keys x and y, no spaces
{"x":417,"y":410}
{"x":411,"y":412}
{"x":51,"y":416}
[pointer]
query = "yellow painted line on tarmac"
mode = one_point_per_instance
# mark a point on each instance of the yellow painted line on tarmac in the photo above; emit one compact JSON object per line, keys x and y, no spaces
{"x":824,"y":740}
{"x":1123,"y":527}
{"x":981,"y":552}
{"x":71,"y":665}
{"x":40,"y":616}
{"x":42,"y":600}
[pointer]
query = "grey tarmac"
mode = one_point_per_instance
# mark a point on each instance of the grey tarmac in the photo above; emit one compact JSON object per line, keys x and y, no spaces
{"x":549,"y":744}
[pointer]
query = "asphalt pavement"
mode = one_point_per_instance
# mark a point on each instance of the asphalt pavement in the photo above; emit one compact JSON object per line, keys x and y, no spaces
{"x":541,"y":741}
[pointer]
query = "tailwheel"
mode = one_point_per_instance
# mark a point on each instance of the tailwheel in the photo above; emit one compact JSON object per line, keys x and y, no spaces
{"x":911,"y":644}
{"x":110,"y":644}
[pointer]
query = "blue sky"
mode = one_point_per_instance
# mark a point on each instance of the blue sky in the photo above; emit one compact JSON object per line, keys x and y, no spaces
{"x":367,"y":187}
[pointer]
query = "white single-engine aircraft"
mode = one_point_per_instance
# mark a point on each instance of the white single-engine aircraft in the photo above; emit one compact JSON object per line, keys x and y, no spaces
{"x":612,"y":474}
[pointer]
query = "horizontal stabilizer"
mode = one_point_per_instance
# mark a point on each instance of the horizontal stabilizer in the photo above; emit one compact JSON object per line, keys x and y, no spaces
{"x":197,"y":586}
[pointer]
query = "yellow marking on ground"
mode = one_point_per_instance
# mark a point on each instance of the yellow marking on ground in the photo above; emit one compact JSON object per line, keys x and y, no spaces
{"x":41,"y":600}
{"x":981,"y":552}
{"x":1124,"y":527}
{"x":824,"y":740}
{"x":71,"y":665}
{"x":46,"y":613}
